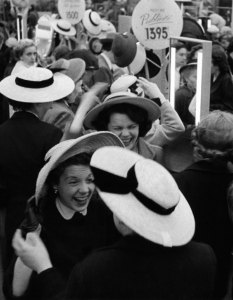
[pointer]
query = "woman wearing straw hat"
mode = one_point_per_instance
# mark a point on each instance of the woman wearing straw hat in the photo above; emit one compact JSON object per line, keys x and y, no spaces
{"x":153,"y":260}
{"x":131,"y":118}
{"x":73,"y":221}
{"x":205,"y":184}
{"x":25,"y":139}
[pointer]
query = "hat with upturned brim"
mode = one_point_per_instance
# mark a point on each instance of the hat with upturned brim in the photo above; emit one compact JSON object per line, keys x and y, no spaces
{"x":88,"y":143}
{"x":63,"y":27}
{"x":143,"y":195}
{"x":36,"y":85}
{"x":149,"y":106}
{"x":92,"y":22}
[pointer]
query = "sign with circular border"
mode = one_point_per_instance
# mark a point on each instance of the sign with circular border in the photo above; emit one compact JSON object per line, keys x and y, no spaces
{"x":155,"y":21}
{"x":72,"y":10}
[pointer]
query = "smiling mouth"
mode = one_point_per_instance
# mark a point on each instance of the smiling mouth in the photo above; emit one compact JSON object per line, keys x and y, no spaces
{"x":126,"y":142}
{"x":81,"y":200}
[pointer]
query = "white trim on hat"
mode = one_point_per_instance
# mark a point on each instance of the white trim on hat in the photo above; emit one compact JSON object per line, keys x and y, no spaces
{"x":63,"y":27}
{"x":172,"y":228}
{"x":92,"y":22}
{"x":36,"y":85}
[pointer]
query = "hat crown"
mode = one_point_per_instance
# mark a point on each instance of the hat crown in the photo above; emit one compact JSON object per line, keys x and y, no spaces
{"x":123,"y":83}
{"x":95,"y":18}
{"x":64,"y":24}
{"x":35,"y":74}
{"x":156,"y":183}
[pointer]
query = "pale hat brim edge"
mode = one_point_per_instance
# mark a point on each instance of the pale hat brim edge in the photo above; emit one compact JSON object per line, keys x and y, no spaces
{"x":152,"y":109}
{"x":62,"y":87}
{"x":139,"y":60}
{"x":51,"y":164}
{"x":94,"y":30}
{"x":179,"y":227}
{"x":72,"y":31}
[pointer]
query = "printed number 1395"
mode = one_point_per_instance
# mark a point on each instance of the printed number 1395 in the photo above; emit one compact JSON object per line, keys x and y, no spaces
{"x":156,"y":33}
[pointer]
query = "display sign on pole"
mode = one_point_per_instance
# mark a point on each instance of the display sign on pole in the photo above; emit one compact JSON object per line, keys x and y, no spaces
{"x":72,"y":10}
{"x":155,"y":21}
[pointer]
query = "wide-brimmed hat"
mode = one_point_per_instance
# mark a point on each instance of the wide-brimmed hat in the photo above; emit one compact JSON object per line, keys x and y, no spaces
{"x":144,"y":195}
{"x":64,"y":150}
{"x":191,"y":62}
{"x":124,"y":49}
{"x":36,"y":85}
{"x":149,"y":106}
{"x":92,"y":22}
{"x":63,"y":27}
{"x":74,"y":68}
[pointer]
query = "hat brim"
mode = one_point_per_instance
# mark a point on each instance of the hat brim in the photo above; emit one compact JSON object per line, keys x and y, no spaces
{"x":93,"y":30}
{"x":61,"y":87}
{"x":71,"y":32}
{"x":186,"y":66}
{"x":88,"y":143}
{"x":178,"y":227}
{"x":152,"y":109}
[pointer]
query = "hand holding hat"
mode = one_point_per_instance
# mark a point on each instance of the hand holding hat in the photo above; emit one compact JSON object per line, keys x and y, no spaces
{"x":151,"y":89}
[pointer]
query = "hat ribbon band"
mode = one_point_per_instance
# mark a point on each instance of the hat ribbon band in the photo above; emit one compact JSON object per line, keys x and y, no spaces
{"x":93,"y":23}
{"x":34,"y":84}
{"x":63,"y":29}
{"x":114,"y":184}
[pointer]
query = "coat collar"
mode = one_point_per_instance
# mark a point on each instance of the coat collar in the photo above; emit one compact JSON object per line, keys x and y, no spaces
{"x":23,"y":115}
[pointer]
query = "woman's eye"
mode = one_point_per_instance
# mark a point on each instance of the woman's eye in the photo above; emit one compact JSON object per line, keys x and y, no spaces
{"x":90,"y":180}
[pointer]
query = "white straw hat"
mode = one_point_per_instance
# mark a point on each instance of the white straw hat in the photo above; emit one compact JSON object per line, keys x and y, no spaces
{"x":92,"y":22}
{"x":63,"y":27}
{"x":64,"y":150}
{"x":152,"y":109}
{"x":36,"y":85}
{"x":144,"y":195}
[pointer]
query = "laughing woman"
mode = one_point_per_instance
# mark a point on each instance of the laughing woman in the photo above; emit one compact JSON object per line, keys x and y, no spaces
{"x":73,"y":222}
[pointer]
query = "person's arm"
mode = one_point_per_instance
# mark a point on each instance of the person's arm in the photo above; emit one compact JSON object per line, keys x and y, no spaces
{"x":88,"y":101}
{"x":171,"y":125}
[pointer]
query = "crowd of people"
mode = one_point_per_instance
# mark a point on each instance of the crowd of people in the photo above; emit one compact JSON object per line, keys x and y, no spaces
{"x":95,"y":202}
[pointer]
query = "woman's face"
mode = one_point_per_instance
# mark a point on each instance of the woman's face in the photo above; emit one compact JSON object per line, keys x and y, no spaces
{"x":181,"y":56}
{"x":192,"y":80}
{"x":29,"y":56}
{"x":124,"y":128}
{"x":75,"y":187}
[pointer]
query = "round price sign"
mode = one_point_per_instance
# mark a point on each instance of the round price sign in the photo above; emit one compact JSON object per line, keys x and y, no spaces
{"x":72,"y":10}
{"x":155,"y":21}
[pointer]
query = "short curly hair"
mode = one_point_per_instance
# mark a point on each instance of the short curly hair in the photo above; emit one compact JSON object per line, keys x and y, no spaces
{"x":219,"y":58}
{"x":212,"y":138}
{"x":134,"y":113}
{"x":21,"y":46}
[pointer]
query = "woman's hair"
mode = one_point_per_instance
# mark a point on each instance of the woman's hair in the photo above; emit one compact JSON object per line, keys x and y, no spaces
{"x":79,"y":159}
{"x":219,"y":58}
{"x":135,"y":114}
{"x":194,"y":49}
{"x":20,"y":105}
{"x":21,"y":46}
{"x":212,"y":138}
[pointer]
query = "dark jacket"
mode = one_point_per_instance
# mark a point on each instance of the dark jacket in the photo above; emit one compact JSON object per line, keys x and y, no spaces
{"x":135,"y":268}
{"x":24,"y":142}
{"x":205,"y":185}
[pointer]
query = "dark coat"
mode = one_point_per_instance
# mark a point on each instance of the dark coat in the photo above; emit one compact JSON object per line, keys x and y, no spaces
{"x":205,"y":185}
{"x":24,"y":142}
{"x":183,"y":98}
{"x":135,"y":268}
